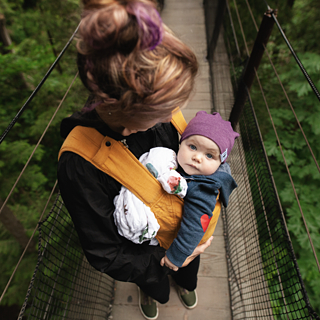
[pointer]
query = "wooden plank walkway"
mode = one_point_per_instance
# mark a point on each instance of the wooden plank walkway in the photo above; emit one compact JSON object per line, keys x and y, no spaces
{"x":186,"y":19}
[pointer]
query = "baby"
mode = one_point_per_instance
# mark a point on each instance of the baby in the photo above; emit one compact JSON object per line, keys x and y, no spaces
{"x":199,"y":174}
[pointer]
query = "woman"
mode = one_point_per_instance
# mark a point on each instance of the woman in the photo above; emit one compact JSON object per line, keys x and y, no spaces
{"x":137,"y":73}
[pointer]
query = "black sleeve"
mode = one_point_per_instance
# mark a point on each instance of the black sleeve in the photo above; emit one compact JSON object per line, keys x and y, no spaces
{"x":88,"y":195}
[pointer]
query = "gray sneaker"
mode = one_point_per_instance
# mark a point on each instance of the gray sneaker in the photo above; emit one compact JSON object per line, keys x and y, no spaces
{"x":148,"y":306}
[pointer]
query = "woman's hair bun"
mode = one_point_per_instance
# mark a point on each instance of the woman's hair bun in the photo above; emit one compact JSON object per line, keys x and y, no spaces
{"x":121,"y":26}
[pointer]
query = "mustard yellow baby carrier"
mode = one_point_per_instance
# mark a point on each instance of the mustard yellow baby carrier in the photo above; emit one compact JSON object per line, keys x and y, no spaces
{"x":113,"y":158}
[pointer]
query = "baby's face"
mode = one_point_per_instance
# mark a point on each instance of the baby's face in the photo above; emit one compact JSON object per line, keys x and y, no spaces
{"x":199,"y":155}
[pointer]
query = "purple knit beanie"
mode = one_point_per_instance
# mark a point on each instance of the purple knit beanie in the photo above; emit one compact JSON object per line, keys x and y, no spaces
{"x":212,"y":126}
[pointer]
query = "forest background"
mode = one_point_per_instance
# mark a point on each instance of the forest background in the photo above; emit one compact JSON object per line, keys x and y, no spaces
{"x":299,"y":21}
{"x":39,"y":29}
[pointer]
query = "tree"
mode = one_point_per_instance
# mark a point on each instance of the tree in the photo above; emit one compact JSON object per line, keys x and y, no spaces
{"x":15,"y":227}
{"x":6,"y":43}
{"x":299,"y":20}
{"x":31,"y":54}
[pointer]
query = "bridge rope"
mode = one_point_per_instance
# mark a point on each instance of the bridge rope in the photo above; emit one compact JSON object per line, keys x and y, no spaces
{"x":38,"y":143}
{"x":273,"y":125}
{"x":28,"y":244}
{"x":33,"y":94}
{"x":20,"y":175}
{"x":52,"y":67}
{"x":282,"y":86}
{"x":299,"y":63}
{"x":281,"y":282}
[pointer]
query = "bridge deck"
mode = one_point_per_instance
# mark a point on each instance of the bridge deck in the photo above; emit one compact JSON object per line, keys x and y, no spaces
{"x":186,"y":19}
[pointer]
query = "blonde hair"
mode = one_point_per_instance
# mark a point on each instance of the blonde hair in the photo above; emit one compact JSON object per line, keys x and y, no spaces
{"x":135,"y":67}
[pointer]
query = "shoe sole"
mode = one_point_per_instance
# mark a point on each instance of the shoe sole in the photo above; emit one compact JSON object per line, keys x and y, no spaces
{"x":185,"y":305}
{"x":146,"y":317}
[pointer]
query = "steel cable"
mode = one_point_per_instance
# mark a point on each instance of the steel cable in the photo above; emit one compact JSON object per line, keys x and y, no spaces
{"x":285,"y":92}
{"x":21,"y":173}
{"x":17,"y":116}
{"x":278,"y":139}
{"x":35,"y":148}
{"x":27,"y":246}
{"x":279,"y":143}
{"x":302,"y":68}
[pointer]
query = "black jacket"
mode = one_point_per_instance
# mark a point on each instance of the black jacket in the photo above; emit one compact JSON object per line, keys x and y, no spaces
{"x":88,"y":194}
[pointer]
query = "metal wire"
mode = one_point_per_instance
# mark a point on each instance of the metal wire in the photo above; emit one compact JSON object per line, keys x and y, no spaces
{"x":285,"y":92}
{"x":15,"y":119}
{"x":279,"y":143}
{"x":37,"y":145}
{"x":27,"y":246}
{"x":278,"y":139}
{"x":233,"y":30}
{"x":64,"y":285}
{"x":241,"y":28}
{"x":243,"y":233}
{"x":289,"y":174}
{"x":302,"y":68}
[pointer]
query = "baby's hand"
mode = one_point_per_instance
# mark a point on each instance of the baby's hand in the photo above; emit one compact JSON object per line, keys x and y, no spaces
{"x":165,"y":261}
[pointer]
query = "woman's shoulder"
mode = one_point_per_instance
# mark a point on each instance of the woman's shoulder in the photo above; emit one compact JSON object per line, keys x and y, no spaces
{"x":166,"y":135}
{"x":86,"y":119}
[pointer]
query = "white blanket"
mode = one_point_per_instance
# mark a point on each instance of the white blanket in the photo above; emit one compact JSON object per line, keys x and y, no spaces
{"x":134,"y":220}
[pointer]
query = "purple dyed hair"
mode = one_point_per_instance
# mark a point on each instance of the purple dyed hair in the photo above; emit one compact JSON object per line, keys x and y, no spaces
{"x":89,"y":107}
{"x":150,"y":24}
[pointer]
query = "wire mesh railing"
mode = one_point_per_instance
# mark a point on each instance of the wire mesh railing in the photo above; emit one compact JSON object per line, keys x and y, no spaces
{"x":265,"y":282}
{"x":264,"y":277}
{"x":64,"y":285}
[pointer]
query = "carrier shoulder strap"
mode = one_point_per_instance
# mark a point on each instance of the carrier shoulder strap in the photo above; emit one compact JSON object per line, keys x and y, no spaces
{"x":113,"y":158}
{"x":179,"y":122}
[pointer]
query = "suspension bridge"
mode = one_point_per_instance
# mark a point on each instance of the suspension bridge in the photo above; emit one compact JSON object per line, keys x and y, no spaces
{"x":250,"y":271}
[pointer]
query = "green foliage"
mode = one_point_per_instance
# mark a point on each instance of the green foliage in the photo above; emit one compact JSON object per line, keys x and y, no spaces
{"x":10,"y":253}
{"x":301,"y":165}
{"x":39,"y":29}
{"x":61,"y":261}
{"x":32,"y":22}
{"x":301,"y":24}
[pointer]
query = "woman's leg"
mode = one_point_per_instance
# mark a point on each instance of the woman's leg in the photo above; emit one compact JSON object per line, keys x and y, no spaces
{"x":187,"y":277}
{"x":159,"y":292}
